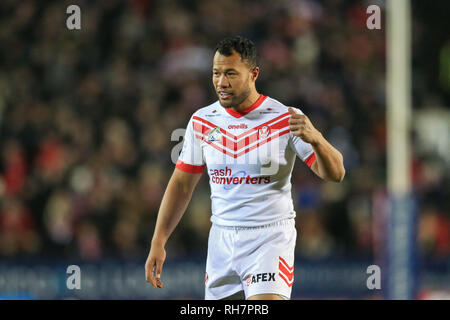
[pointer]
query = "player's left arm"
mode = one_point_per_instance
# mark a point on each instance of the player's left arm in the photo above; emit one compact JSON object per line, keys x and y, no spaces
{"x":329,"y":163}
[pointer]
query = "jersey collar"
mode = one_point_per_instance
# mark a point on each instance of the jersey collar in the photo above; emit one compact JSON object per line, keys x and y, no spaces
{"x":238,"y":114}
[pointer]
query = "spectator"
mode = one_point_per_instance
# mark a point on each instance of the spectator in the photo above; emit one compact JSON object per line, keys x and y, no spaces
{"x":86,"y":119}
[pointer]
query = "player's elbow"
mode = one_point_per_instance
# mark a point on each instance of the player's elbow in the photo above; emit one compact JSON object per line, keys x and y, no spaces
{"x":337,"y":176}
{"x":339,"y":172}
{"x":341,"y":175}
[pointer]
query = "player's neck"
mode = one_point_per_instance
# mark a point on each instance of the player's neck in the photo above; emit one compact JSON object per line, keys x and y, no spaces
{"x":251,"y":99}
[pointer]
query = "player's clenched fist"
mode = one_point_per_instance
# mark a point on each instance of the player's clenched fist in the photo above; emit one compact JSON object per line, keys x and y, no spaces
{"x":155,"y":259}
{"x":302,"y":127}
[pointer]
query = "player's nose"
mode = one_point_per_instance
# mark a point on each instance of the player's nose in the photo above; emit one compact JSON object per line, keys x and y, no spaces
{"x":222,"y":82}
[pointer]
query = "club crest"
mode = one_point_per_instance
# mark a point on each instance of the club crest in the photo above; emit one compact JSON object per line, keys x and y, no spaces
{"x":264,"y":132}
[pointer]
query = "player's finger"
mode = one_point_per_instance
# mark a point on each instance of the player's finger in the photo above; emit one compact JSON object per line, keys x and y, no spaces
{"x":296,"y":121}
{"x":297,"y":127}
{"x":159,"y":265}
{"x":293,"y":120}
{"x":293,"y":113}
{"x":299,"y":132}
{"x":159,"y":283}
{"x":149,"y":273}
{"x":149,"y":277}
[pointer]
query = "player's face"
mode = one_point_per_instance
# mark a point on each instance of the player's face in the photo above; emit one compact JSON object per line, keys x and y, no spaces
{"x":232,"y":79}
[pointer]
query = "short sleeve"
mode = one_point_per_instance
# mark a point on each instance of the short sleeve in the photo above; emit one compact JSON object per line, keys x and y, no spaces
{"x":191,"y":155}
{"x":303,"y":150}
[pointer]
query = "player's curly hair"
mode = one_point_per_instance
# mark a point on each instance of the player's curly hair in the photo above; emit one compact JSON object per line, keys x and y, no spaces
{"x":245,"y":47}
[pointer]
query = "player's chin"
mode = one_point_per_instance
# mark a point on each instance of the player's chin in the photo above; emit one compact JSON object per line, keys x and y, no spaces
{"x":226,"y":103}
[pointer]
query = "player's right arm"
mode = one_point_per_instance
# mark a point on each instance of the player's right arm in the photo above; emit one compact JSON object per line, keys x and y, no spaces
{"x":173,"y":205}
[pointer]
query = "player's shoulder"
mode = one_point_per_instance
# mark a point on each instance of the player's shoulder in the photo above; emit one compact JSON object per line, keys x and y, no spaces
{"x":279,"y":106}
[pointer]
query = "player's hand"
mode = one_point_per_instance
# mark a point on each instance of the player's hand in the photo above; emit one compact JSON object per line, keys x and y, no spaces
{"x":302,"y":127}
{"x":155,"y":259}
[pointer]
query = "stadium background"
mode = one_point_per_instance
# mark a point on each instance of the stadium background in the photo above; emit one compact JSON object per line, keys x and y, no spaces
{"x":86,"y":118}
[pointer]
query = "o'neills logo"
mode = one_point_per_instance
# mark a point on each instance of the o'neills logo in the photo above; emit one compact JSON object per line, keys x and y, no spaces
{"x":225,"y":176}
{"x":238,"y":126}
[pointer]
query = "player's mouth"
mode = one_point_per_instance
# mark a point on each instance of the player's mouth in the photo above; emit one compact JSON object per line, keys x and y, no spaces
{"x":224,"y":95}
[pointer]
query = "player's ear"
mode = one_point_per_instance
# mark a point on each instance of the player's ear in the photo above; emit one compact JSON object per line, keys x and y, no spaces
{"x":254,"y":73}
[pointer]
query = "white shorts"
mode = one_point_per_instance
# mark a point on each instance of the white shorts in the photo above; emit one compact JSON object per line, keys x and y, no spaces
{"x":256,"y":260}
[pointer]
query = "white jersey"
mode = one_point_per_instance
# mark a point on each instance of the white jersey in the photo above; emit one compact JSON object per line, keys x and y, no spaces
{"x":249,"y":156}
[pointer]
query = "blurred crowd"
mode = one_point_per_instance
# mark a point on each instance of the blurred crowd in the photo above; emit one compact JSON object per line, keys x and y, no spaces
{"x":86,"y":118}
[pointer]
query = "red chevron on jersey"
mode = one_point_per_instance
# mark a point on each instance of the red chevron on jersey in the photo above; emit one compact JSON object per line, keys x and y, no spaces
{"x":286,"y":272}
{"x":246,"y":150}
{"x":212,"y":125}
{"x":244,"y":140}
